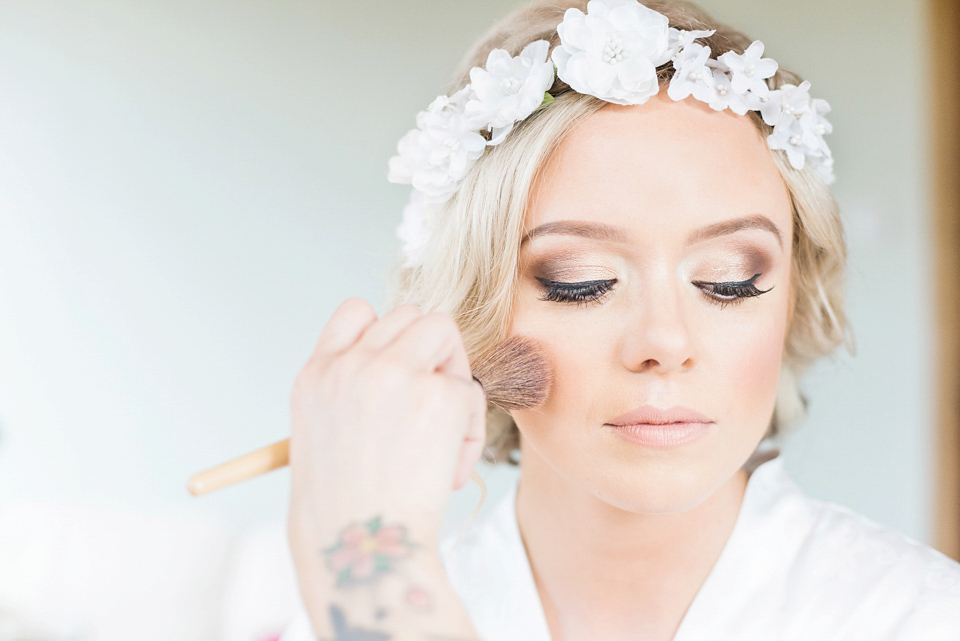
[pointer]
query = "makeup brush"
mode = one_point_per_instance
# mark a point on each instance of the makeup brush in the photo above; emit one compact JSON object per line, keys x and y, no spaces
{"x":514,"y":374}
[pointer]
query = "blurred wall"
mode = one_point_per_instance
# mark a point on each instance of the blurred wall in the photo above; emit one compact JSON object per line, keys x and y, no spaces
{"x":188,"y":190}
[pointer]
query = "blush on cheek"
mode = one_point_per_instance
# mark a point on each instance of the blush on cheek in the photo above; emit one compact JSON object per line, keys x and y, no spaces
{"x":567,"y":380}
{"x":758,"y":369}
{"x":574,"y":377}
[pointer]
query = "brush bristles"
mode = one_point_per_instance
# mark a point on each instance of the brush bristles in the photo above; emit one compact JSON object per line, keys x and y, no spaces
{"x":515,"y":374}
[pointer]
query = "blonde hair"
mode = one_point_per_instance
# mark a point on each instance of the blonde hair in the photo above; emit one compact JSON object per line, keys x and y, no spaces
{"x":470,"y":264}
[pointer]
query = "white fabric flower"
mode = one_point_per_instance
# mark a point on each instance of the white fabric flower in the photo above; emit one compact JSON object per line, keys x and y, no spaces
{"x":793,"y":137}
{"x":748,"y":70}
{"x":613,"y":51}
{"x":799,"y":126}
{"x":692,"y":75}
{"x":788,"y":100}
{"x":680,"y":38}
{"x":436,"y":155}
{"x":813,"y":122}
{"x":509,"y":88}
{"x":414,"y":230}
{"x":813,"y":119}
{"x":725,"y":96}
{"x":824,"y":167}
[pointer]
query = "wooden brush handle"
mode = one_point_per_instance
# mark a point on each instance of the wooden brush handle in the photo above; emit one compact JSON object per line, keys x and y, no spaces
{"x":242,"y":468}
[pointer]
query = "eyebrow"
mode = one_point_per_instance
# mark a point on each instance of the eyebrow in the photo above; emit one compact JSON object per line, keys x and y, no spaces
{"x":602,"y":231}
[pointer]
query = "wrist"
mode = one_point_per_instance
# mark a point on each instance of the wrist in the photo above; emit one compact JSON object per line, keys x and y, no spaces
{"x":379,"y":575}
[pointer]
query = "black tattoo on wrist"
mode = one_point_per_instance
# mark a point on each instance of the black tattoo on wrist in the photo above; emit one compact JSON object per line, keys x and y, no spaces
{"x":342,"y":632}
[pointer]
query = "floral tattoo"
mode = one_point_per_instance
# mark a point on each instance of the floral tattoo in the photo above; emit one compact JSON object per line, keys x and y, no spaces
{"x":364,"y":553}
{"x":368,"y":550}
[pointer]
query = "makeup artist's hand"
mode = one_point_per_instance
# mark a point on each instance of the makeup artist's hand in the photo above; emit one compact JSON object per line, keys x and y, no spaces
{"x":387,"y":422}
{"x":386,"y":413}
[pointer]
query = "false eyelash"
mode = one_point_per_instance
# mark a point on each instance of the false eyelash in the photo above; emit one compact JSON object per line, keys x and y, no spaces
{"x":730,"y":293}
{"x":590,"y":291}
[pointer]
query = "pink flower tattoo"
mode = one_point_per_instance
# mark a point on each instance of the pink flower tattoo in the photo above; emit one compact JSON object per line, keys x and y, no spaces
{"x":366,"y":551}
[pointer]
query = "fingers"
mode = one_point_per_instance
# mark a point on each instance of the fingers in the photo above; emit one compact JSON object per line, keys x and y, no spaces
{"x":426,"y":342}
{"x":344,"y":328}
{"x":432,"y":344}
{"x":383,"y":332}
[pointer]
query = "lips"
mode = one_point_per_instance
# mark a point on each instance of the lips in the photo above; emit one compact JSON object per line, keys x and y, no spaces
{"x":650,"y":415}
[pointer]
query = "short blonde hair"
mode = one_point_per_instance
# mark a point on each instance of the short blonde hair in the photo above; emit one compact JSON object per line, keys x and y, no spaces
{"x":470,"y":265}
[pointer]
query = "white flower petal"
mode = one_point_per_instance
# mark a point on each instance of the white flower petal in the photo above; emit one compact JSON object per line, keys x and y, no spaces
{"x":612,"y":51}
{"x":512,"y":90}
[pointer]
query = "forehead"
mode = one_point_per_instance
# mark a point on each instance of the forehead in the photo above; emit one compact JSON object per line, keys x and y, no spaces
{"x":661,"y":168}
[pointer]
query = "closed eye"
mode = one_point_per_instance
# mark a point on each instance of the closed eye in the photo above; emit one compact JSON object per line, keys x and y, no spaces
{"x":733,"y":292}
{"x":590,"y":291}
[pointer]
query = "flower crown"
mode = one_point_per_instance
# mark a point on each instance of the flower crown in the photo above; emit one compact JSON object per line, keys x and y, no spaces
{"x":611,"y":52}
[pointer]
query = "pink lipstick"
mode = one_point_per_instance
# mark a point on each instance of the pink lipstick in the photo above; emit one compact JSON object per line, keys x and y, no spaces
{"x":655,"y":427}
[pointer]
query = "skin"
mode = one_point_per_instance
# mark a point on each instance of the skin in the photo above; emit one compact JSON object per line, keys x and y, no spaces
{"x":622,"y":536}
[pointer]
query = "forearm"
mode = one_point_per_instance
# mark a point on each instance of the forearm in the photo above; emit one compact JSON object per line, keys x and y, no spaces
{"x":379,"y":579}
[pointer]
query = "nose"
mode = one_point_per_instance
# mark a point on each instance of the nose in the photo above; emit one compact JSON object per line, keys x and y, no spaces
{"x":658,"y":337}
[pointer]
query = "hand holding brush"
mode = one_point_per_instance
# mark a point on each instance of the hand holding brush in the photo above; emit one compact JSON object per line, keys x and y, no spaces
{"x":387,"y":420}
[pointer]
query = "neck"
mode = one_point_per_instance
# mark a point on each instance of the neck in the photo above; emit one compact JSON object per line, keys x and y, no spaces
{"x":595,"y":563}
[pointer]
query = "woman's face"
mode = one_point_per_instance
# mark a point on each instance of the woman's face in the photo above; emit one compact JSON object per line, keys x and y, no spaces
{"x":687,"y":196}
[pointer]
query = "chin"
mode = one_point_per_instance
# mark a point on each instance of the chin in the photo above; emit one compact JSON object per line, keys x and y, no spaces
{"x":658,"y":489}
{"x":660,"y":480}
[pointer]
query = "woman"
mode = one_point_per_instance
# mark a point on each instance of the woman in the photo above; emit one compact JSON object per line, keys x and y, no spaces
{"x":659,"y":223}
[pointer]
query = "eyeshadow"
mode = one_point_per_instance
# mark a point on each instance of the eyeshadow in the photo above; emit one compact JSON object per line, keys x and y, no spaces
{"x":758,"y":261}
{"x":741,"y":261}
{"x":722,"y":260}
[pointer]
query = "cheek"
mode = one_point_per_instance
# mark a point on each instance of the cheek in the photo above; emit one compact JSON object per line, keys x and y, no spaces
{"x":575,"y":350}
{"x":746,"y":359}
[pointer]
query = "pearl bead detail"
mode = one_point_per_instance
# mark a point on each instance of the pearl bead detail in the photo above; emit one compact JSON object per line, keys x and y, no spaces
{"x":613,"y":50}
{"x":795,"y":139}
{"x":749,"y":70}
{"x":510,"y":86}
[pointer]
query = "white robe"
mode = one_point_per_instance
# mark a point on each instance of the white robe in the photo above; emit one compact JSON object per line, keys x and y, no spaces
{"x":794,"y":568}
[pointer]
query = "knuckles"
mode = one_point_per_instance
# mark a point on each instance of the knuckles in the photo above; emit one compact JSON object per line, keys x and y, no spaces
{"x":442,"y":320}
{"x":381,"y":373}
{"x":351,"y":374}
{"x":387,"y":376}
{"x":408,"y":307}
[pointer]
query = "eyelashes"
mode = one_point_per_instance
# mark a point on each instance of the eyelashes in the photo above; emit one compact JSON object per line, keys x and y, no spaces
{"x":593,"y":291}
{"x":590,"y":291}
{"x":731,"y":293}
